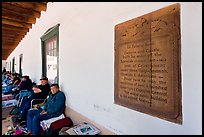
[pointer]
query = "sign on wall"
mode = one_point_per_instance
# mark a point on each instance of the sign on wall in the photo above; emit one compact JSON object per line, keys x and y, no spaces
{"x":147,"y":64}
{"x":51,"y":68}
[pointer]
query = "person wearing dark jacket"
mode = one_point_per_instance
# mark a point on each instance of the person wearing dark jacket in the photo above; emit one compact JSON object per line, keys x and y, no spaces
{"x":54,"y":107}
{"x":40,"y":92}
{"x":25,"y":84}
{"x":45,"y":87}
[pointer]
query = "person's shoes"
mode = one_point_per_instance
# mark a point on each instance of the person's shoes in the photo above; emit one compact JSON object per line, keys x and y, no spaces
{"x":29,"y":132}
{"x":18,"y":119}
{"x":24,"y":129}
{"x":23,"y":123}
{"x":16,"y":116}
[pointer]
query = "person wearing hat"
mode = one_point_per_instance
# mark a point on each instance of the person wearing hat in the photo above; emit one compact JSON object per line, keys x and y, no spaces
{"x":39,"y":92}
{"x":44,"y":86}
{"x":44,"y":78}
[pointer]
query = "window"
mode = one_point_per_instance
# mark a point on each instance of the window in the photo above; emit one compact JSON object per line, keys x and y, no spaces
{"x":50,"y":54}
{"x":20,"y":64}
{"x":10,"y":66}
{"x":13,"y":65}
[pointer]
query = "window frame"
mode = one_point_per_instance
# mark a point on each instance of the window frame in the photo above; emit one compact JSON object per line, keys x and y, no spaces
{"x":49,"y":34}
{"x":13,"y":65}
{"x":20,"y":64}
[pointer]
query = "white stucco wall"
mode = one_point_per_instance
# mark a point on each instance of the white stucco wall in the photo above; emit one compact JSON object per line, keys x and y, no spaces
{"x":3,"y":64}
{"x":86,"y":63}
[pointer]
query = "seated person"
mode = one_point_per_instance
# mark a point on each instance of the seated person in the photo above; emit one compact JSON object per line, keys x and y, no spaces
{"x":6,"y":81}
{"x":3,"y":73}
{"x":40,"y":92}
{"x":3,"y":76}
{"x":15,"y":80}
{"x":44,"y":86}
{"x":25,"y":84}
{"x":4,"y":70}
{"x":54,"y":107}
{"x":7,"y":78}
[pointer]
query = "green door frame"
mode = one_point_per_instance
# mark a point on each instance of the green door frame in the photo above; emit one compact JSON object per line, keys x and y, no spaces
{"x":51,"y":32}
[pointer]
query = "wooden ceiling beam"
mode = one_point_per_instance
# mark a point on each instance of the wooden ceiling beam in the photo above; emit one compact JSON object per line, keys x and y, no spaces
{"x":8,"y":47}
{"x":16,"y":23}
{"x":13,"y":32}
{"x":10,"y":30}
{"x":11,"y":37}
{"x":23,"y":11}
{"x":13,"y":28}
{"x":5,"y":55}
{"x":6,"y":51}
{"x":8,"y":14}
{"x":11,"y":41}
{"x":9,"y":44}
{"x":37,"y":6}
{"x":17,"y":19}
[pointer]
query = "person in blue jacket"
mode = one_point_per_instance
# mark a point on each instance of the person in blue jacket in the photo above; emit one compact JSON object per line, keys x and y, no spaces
{"x":54,"y":107}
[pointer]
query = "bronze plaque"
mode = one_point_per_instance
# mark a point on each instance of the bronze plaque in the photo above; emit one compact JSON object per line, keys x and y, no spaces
{"x":147,"y":64}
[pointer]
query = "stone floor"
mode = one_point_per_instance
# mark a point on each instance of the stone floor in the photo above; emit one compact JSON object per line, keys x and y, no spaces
{"x":8,"y":120}
{"x":6,"y":123}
